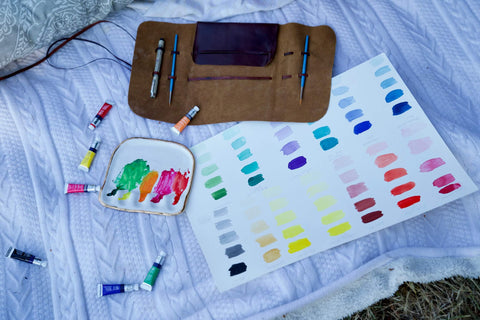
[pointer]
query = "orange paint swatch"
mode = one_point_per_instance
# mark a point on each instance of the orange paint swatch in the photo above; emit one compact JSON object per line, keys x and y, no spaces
{"x":402,"y":188}
{"x":385,"y":160}
{"x":271,"y":255}
{"x":265,"y":240}
{"x":393,"y":174}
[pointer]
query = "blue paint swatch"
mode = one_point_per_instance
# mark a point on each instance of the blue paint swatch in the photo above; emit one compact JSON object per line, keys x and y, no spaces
{"x":321,"y":132}
{"x":328,"y":143}
{"x":245,"y":154}
{"x":240,"y":142}
{"x":345,"y":102}
{"x":249,"y":168}
{"x":394,"y":95}
{"x":382,"y":71}
{"x":339,"y":91}
{"x":400,"y":108}
{"x":362,"y":127}
{"x":388,"y":83}
{"x":354,"y":114}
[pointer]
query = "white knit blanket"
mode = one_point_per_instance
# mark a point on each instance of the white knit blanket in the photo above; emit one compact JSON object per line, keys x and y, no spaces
{"x":44,"y":136}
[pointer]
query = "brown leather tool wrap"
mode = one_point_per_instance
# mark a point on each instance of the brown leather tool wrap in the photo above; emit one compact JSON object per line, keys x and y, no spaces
{"x":266,"y":89}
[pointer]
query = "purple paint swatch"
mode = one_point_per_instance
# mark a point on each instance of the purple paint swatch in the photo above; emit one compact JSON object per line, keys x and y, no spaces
{"x":283,"y":133}
{"x":297,"y":163}
{"x":290,"y":147}
{"x":356,"y":189}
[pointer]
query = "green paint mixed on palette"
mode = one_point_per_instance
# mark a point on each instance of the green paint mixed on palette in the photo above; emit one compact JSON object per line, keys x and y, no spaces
{"x":270,"y":194}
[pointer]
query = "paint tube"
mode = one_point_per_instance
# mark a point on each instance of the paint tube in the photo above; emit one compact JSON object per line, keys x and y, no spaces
{"x":107,"y":289}
{"x":80,"y":188}
{"x":185,"y":120}
{"x":92,"y":151}
{"x":100,"y":115}
{"x":153,"y":272}
{"x":25,"y":257}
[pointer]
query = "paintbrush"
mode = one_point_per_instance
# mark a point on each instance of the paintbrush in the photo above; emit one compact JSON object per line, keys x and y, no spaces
{"x":304,"y":68}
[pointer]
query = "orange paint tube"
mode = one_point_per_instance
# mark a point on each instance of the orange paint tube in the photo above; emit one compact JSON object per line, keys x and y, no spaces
{"x":185,"y":120}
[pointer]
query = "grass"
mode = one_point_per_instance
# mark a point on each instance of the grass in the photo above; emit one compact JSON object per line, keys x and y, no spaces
{"x":452,"y":298}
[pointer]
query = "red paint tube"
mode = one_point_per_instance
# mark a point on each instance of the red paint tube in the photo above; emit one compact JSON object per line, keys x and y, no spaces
{"x":100,"y":115}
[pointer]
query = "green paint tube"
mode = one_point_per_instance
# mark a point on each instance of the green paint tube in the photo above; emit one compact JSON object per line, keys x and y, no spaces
{"x":153,"y":272}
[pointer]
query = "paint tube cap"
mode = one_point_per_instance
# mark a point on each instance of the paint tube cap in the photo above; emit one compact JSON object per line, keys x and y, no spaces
{"x":83,"y":168}
{"x":9,"y":252}
{"x":39,"y":262}
{"x":146,"y":286}
{"x":91,"y":127}
{"x":175,"y":130}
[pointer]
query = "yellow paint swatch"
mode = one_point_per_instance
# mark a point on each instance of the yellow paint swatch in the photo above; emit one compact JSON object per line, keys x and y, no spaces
{"x":278,"y":204}
{"x":259,"y":226}
{"x":298,"y":245}
{"x":333,"y":217}
{"x":272,"y":192}
{"x":253,"y":212}
{"x":271,"y":255}
{"x":315,"y":189}
{"x":341,"y":228}
{"x":324,"y":202}
{"x":265,"y":240}
{"x":310,"y":178}
{"x":292,"y":231}
{"x":285,"y":217}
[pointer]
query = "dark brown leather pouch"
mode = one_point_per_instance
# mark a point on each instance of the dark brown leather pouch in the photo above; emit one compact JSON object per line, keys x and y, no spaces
{"x":238,"y":44}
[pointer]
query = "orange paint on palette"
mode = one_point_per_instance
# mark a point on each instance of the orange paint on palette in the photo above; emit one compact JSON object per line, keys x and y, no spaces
{"x":385,"y":159}
{"x":405,"y":203}
{"x":402,"y":188}
{"x":147,"y":184}
{"x":393,"y":174}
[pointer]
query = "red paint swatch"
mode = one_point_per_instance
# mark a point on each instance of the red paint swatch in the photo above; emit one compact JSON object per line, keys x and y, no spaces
{"x":356,"y":189}
{"x":408,"y":202}
{"x":393,"y":174}
{"x":372,"y":216}
{"x":385,"y":159}
{"x":431,"y":164}
{"x":364,"y":204}
{"x":444,"y":180}
{"x":450,"y":188}
{"x":402,"y":188}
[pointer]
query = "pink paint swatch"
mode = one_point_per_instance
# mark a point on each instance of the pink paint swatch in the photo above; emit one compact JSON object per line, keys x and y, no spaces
{"x":385,"y":160}
{"x":342,"y":162}
{"x":349,"y":176}
{"x":443,"y":180}
{"x":450,"y":188}
{"x":412,"y":128}
{"x":376,"y":148}
{"x":364,"y":204}
{"x":163,"y":186}
{"x":356,"y":189}
{"x":431,"y":164}
{"x":418,"y":146}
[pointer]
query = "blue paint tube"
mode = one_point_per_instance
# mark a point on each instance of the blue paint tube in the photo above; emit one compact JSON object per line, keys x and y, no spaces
{"x":153,"y":272}
{"x":25,"y":257}
{"x":107,"y":289}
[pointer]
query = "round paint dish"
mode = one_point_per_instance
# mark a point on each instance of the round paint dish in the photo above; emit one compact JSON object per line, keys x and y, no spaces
{"x":148,"y":175}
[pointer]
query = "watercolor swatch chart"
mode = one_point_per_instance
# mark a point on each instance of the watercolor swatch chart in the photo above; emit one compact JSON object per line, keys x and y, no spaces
{"x":268,"y":194}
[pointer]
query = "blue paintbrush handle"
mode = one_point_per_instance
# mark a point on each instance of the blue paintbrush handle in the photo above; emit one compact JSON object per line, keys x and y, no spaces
{"x":304,"y":66}
{"x":172,"y":74}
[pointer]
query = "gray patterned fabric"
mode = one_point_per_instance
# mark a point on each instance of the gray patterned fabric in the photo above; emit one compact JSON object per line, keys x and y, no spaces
{"x":31,"y":24}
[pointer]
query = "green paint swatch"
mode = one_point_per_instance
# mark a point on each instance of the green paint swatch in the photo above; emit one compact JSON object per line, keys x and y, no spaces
{"x":209,"y":170}
{"x":215,"y":181}
{"x":324,"y":202}
{"x":249,"y":168}
{"x":333,"y":217}
{"x":219,"y":194}
{"x":285,"y":217}
{"x":204,"y":158}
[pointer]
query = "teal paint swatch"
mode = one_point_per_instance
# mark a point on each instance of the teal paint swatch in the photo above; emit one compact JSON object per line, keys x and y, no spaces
{"x":215,"y":181}
{"x":328,"y":143}
{"x":240,"y":142}
{"x":245,"y":154}
{"x":209,"y":170}
{"x":321,"y":132}
{"x":253,"y":181}
{"x":249,"y":168}
{"x":204,"y":158}
{"x":219,"y":194}
{"x":231,"y":132}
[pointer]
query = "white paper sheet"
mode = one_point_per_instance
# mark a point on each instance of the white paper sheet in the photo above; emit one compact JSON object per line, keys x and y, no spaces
{"x":273,"y":193}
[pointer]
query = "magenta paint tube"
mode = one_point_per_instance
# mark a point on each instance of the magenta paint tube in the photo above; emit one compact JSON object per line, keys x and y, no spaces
{"x":25,"y":257}
{"x":107,"y":289}
{"x":80,"y":188}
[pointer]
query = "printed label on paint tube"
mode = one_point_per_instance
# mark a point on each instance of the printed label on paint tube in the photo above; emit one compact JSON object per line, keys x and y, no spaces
{"x":100,"y":115}
{"x":87,"y":160}
{"x":185,"y":120}
{"x":153,"y":273}
{"x":25,"y":257}
{"x":107,"y":289}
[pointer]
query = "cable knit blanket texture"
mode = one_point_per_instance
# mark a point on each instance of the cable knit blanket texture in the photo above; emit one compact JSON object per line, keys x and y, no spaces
{"x":44,"y":136}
